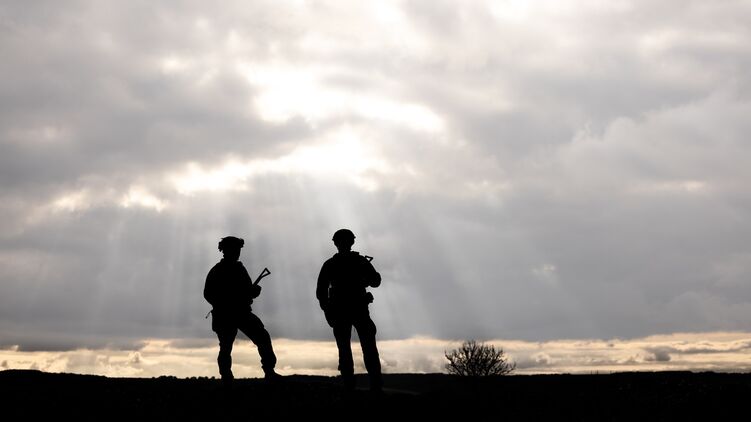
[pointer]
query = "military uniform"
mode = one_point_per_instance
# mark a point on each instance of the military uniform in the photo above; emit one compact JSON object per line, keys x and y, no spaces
{"x":230,"y":291}
{"x":344,"y":300}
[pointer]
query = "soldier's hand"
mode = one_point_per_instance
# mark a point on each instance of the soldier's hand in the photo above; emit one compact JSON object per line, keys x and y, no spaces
{"x":255,"y":291}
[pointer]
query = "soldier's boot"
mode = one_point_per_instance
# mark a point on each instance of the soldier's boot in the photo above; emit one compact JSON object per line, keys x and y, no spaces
{"x":227,"y":382}
{"x":271,"y":375}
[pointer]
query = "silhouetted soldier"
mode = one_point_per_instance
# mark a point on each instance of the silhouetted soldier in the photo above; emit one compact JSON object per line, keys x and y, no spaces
{"x":230,"y":290}
{"x":343,"y":299}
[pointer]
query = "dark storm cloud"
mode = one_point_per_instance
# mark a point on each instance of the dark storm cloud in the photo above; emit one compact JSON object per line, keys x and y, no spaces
{"x":659,"y":355}
{"x":532,"y":171}
{"x":53,"y":342}
{"x":706,"y":348}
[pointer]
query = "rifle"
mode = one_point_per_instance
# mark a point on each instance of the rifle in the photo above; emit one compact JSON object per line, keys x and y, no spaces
{"x":368,"y":295}
{"x":255,"y":293}
{"x":263,"y":274}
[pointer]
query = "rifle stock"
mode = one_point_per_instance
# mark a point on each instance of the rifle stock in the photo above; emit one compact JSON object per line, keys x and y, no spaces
{"x":263,"y":274}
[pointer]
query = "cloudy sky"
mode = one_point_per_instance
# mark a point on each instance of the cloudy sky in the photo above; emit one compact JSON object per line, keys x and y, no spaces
{"x":541,"y":174}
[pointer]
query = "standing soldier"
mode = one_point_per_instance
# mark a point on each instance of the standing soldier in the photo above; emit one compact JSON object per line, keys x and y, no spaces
{"x":230,"y":291}
{"x":344,"y":301}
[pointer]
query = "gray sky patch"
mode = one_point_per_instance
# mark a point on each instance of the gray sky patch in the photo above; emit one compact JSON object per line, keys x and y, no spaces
{"x":537,"y":172}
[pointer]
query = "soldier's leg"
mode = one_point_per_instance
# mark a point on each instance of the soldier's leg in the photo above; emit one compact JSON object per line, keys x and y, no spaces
{"x":253,"y":328}
{"x":226,"y":339}
{"x":343,"y":335}
{"x":366,"y":330}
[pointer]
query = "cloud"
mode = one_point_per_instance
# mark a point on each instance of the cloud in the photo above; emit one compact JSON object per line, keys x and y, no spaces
{"x":660,"y":355}
{"x":196,"y":357}
{"x":706,"y":347}
{"x":533,"y":171}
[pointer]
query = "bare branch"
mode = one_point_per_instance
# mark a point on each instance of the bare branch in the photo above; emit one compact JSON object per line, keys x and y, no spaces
{"x":478,"y":360}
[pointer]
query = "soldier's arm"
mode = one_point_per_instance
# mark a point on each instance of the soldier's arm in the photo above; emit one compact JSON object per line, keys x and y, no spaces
{"x":251,"y":290}
{"x":322,"y":288}
{"x":209,"y":292}
{"x":372,"y":277}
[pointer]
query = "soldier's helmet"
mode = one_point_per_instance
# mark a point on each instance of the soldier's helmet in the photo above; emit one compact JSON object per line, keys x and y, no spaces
{"x":231,"y":242}
{"x":343,"y":236}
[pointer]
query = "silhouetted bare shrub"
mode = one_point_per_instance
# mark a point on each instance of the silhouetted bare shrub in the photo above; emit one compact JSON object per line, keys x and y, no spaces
{"x":478,"y":360}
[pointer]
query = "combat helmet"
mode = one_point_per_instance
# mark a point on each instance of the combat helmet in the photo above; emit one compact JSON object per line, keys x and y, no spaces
{"x":231,"y":242}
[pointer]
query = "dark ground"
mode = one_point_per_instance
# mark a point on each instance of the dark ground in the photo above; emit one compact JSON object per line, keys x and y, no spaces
{"x":624,"y":396}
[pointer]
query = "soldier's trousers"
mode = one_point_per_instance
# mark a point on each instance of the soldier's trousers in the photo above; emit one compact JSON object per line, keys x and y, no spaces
{"x":366,"y":331}
{"x":250,"y":325}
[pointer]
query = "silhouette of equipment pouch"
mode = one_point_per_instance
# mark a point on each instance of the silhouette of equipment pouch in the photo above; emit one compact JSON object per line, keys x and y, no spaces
{"x":215,"y":322}
{"x":221,"y":320}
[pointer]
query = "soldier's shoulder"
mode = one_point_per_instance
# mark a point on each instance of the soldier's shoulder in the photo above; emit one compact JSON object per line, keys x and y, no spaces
{"x":356,"y":256}
{"x":214,"y":270}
